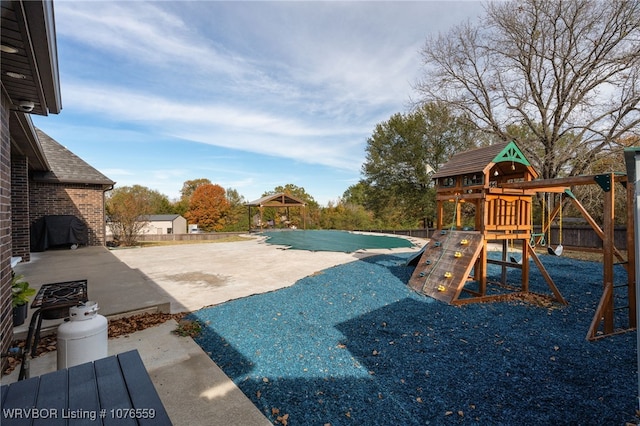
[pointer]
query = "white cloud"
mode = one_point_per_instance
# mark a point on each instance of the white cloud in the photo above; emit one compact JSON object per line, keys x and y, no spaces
{"x":302,"y":81}
{"x":142,"y":32}
{"x":324,"y":59}
{"x":221,"y":125}
{"x":168,"y":174}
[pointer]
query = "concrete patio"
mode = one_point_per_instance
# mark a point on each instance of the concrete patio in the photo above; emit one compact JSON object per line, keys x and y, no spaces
{"x":178,"y":279}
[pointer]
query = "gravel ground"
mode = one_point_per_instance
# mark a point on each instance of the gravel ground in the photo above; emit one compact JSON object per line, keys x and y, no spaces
{"x":354,"y":345}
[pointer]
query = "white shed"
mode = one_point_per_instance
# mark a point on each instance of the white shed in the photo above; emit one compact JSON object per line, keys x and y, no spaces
{"x":161,"y":224}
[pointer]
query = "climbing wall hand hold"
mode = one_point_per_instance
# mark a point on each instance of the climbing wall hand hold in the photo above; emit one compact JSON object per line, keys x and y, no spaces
{"x":448,"y":274}
{"x":441,"y":288}
{"x":428,"y":262}
{"x":457,"y":254}
{"x":464,"y":242}
{"x":421,"y":274}
{"x":437,"y":244}
{"x":443,"y":232}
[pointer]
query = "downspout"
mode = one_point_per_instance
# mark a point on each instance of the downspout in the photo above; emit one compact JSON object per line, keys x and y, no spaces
{"x":104,"y":213}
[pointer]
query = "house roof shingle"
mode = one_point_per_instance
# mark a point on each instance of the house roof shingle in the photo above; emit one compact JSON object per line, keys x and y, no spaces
{"x":65,"y":166}
{"x":162,"y":217}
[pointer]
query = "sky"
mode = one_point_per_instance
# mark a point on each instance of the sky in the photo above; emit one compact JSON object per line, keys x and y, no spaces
{"x":250,"y":95}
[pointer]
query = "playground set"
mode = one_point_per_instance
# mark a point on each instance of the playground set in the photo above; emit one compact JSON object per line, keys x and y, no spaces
{"x":500,"y":184}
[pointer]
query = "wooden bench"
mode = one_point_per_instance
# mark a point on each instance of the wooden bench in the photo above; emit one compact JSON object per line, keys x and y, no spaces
{"x":116,"y":390}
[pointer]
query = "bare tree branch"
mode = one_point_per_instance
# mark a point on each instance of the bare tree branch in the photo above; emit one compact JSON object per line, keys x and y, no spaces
{"x":566,"y":71}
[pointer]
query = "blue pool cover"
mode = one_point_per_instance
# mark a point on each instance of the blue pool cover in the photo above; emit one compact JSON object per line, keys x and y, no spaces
{"x":340,"y":241}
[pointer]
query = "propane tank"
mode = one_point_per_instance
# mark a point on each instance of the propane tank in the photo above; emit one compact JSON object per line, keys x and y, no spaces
{"x":83,"y":338}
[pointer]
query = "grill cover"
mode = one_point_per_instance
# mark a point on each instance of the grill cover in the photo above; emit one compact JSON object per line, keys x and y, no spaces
{"x":56,"y":231}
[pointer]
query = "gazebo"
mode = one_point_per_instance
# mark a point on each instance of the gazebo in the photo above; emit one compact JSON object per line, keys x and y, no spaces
{"x":278,"y":201}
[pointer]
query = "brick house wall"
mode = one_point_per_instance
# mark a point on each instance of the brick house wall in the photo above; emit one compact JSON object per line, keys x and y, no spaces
{"x":35,"y":79}
{"x":86,"y":202}
{"x":20,"y":207}
{"x":6,"y":318}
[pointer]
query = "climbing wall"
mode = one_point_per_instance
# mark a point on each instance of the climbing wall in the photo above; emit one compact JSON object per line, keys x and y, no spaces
{"x":445,"y":264}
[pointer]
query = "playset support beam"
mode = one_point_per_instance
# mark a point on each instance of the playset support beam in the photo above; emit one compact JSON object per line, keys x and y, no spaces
{"x":591,"y":221}
{"x":630,"y":265}
{"x":604,"y":316}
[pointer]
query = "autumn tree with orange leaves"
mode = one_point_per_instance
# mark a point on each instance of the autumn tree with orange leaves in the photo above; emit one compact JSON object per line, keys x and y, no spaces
{"x":208,"y":207}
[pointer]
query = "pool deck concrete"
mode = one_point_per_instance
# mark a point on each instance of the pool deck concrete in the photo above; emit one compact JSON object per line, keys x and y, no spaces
{"x":180,"y":278}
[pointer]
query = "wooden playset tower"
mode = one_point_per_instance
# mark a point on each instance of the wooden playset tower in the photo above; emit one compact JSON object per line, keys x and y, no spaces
{"x":495,"y":185}
{"x":475,"y":177}
{"x":504,"y":215}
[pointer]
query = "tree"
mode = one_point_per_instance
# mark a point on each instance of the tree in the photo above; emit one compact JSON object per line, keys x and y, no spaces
{"x":188,"y":187}
{"x":356,"y":194}
{"x":237,"y":218}
{"x":566,"y":70}
{"x":400,"y":157}
{"x":127,"y":209}
{"x":348,"y":216}
{"x":180,"y":206}
{"x":591,"y":196}
{"x":160,"y":203}
{"x":208,"y":207}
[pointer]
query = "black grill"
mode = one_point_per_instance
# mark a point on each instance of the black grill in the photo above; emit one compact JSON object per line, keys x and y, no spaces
{"x":52,"y":302}
{"x":62,"y":295}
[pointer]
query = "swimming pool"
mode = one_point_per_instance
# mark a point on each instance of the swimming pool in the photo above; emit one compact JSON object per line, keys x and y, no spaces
{"x":328,"y":240}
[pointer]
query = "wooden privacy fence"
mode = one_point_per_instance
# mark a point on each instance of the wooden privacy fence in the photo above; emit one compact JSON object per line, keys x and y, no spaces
{"x":584,"y":237}
{"x":572,"y":236}
{"x":418,"y":232}
{"x":188,"y":237}
{"x":577,"y":236}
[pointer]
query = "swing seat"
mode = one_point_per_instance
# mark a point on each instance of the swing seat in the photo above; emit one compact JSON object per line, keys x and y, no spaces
{"x":514,"y":260}
{"x":557,"y":251}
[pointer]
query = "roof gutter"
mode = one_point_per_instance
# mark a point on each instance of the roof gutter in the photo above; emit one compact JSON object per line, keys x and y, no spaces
{"x":26,"y":142}
{"x":40,"y":22}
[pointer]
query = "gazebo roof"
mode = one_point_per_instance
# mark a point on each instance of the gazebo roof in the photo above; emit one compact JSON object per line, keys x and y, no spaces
{"x":277,"y":200}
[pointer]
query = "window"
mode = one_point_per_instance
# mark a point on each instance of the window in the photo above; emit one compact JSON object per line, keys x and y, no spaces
{"x":447,"y":182}
{"x":475,"y":179}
